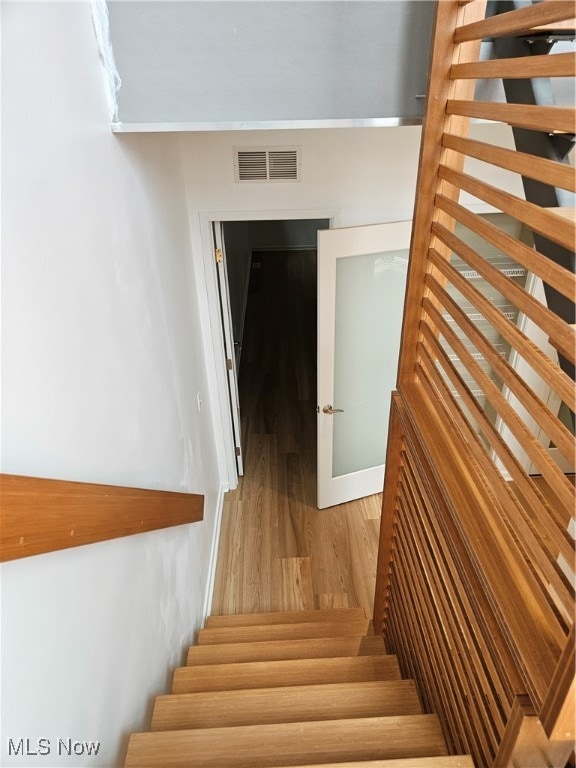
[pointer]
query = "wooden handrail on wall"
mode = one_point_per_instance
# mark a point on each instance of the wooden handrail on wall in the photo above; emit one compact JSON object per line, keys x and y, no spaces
{"x":474,"y":587}
{"x":39,"y":515}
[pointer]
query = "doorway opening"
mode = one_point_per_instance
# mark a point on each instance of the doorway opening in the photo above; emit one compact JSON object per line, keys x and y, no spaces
{"x":278,"y":372}
{"x":270,"y":272}
{"x":361,"y":278}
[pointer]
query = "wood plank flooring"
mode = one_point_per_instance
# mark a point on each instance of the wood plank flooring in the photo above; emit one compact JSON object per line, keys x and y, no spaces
{"x":278,"y":552}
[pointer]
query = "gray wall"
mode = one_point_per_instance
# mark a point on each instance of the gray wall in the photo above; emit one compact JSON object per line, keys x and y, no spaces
{"x":266,"y":61}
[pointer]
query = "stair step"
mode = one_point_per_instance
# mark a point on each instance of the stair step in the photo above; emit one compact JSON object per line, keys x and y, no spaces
{"x":297,"y":631}
{"x":446,"y":761}
{"x":288,"y":744}
{"x":290,"y":672}
{"x":285,"y":705}
{"x":286,"y":617}
{"x":273,"y":650}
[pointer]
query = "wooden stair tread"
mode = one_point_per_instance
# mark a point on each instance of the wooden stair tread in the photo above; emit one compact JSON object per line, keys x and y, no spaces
{"x":297,"y":631}
{"x":266,"y":746}
{"x":444,"y":761}
{"x":274,"y":650}
{"x":283,"y":705}
{"x":286,"y":617}
{"x":271,"y":674}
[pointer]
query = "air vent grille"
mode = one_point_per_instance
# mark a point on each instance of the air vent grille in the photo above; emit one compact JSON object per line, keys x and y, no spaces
{"x":252,"y":166}
{"x":266,"y":165}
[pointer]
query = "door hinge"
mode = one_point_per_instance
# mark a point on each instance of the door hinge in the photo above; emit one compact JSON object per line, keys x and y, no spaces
{"x":238,"y":451}
{"x":228,"y":363}
{"x":218,"y":255}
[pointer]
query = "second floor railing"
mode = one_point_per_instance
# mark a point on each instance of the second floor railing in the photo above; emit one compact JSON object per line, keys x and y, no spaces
{"x":475,"y":586}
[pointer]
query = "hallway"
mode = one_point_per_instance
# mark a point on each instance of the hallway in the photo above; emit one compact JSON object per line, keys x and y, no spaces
{"x":277,"y":550}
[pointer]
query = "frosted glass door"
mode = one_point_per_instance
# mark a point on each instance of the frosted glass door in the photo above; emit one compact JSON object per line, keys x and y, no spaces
{"x":362,"y":279}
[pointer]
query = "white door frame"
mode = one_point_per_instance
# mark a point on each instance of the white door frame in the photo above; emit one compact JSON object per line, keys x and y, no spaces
{"x":217,"y":372}
{"x":228,"y":333}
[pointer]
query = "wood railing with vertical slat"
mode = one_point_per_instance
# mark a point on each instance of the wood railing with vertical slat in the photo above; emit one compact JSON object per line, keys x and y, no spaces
{"x":475,"y":583}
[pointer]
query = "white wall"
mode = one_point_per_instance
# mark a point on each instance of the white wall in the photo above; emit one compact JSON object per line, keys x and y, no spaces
{"x":366,"y":174}
{"x":103,"y":360}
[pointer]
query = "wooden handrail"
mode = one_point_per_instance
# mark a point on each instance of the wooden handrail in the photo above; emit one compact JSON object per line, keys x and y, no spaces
{"x":41,"y":515}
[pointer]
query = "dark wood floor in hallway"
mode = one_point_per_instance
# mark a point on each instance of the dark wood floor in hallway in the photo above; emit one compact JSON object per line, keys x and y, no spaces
{"x":277,"y":550}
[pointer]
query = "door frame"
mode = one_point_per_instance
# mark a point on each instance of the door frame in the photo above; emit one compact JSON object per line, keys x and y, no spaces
{"x":216,"y":366}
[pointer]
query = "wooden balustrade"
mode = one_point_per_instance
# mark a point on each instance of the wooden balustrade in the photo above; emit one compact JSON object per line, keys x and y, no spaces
{"x":475,"y":582}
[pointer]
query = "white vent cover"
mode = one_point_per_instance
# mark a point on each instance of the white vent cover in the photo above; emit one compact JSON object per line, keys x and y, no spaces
{"x":267,"y":164}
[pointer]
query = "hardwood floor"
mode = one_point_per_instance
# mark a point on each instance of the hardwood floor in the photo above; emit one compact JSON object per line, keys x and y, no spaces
{"x":277,"y":550}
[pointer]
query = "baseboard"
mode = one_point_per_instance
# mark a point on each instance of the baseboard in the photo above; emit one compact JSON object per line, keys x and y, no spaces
{"x":224,"y":488}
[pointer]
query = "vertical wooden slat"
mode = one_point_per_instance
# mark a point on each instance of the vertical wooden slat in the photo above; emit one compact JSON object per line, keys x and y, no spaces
{"x":388,"y":518}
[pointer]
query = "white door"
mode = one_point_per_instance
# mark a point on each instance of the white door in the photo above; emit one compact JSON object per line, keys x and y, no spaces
{"x":361,"y":286}
{"x":229,"y":350}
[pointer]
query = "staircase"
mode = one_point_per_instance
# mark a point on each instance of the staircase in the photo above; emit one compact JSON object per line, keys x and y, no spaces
{"x":291,"y":688}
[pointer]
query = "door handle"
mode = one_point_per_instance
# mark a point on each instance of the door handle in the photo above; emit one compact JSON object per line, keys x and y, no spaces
{"x":331,"y":411}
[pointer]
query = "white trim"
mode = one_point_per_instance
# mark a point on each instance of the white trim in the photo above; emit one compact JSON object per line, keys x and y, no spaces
{"x":271,"y":215}
{"x":219,"y":396}
{"x":217,"y":373}
{"x":212,"y":563}
{"x":264,"y":125}
{"x":229,"y":352}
